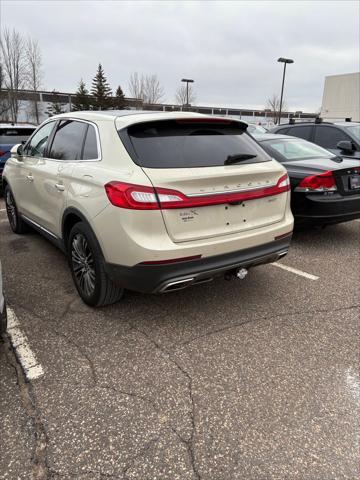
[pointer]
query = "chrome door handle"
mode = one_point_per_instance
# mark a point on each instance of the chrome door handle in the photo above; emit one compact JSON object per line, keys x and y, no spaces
{"x":60,"y":187}
{"x":30,"y":178}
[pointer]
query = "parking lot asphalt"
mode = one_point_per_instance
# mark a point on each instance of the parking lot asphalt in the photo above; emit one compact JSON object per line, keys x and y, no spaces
{"x":255,"y":379}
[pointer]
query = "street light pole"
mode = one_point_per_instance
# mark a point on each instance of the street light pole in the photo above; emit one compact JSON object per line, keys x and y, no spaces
{"x":284,"y":61}
{"x":187,"y":81}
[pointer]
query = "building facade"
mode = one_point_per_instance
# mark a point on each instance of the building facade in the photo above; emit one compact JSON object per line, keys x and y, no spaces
{"x":341,"y":97}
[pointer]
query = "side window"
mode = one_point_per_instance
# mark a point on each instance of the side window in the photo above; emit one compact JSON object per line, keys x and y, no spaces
{"x":302,"y":131}
{"x":38,"y":143}
{"x":329,"y":137}
{"x":68,"y":140}
{"x":90,"y":145}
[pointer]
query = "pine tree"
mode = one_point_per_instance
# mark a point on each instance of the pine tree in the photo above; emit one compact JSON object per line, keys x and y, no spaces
{"x":119,"y":99}
{"x":101,"y":90}
{"x":55,"y":107}
{"x":82,"y":100}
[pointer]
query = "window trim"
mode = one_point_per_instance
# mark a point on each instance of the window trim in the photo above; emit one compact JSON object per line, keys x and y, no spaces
{"x":57,"y":121}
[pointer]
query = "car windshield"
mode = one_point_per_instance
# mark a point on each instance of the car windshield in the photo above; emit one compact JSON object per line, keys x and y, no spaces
{"x":187,"y":143}
{"x":354,"y":130}
{"x":13,"y":135}
{"x":296,"y":148}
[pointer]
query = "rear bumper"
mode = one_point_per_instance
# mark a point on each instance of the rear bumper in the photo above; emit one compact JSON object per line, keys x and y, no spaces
{"x":156,"y":279}
{"x":321,"y":209}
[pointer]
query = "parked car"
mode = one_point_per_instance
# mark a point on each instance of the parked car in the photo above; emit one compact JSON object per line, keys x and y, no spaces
{"x":152,"y":202}
{"x":11,"y":135}
{"x":3,"y":317}
{"x":340,"y":138}
{"x":325,"y":188}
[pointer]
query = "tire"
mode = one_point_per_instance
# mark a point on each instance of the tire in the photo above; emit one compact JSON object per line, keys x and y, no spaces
{"x":3,"y":321}
{"x":17,"y":224}
{"x":87,"y":268}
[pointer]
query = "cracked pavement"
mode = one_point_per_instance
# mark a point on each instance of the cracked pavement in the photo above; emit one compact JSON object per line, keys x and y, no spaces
{"x":254,"y":380}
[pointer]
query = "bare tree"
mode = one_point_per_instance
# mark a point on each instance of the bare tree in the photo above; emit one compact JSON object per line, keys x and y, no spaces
{"x":181,"y":96}
{"x":136,"y":86}
{"x":34,"y":72}
{"x":153,"y":90}
{"x":146,"y":88}
{"x":4,"y":99}
{"x":14,"y":65}
{"x":273,"y":104}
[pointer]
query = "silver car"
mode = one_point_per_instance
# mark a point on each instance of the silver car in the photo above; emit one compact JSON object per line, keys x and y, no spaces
{"x":2,"y":306}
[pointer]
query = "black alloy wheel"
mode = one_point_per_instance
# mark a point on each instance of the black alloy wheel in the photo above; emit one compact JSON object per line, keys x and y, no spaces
{"x":83,"y":264}
{"x":88,"y":268}
{"x":16,"y":223}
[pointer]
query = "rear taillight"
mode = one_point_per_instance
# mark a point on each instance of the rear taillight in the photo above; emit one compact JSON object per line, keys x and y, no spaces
{"x":2,"y":153}
{"x":138,"y":197}
{"x":318,"y":183}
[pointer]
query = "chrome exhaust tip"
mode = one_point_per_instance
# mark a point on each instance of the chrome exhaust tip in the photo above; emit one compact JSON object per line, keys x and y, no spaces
{"x":177,"y":285}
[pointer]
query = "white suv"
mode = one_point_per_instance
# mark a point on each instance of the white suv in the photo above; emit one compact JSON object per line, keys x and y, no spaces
{"x":152,"y":202}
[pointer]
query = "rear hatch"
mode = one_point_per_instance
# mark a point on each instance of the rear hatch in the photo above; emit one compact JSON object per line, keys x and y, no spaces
{"x":187,"y":156}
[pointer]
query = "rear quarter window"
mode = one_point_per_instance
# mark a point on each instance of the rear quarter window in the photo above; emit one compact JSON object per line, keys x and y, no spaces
{"x":189,"y":144}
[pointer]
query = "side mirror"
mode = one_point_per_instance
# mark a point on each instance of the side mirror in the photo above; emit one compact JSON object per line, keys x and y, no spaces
{"x":345,"y":145}
{"x":17,"y":150}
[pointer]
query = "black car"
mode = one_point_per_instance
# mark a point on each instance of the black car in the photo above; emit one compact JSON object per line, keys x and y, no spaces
{"x":325,"y":188}
{"x":340,"y":138}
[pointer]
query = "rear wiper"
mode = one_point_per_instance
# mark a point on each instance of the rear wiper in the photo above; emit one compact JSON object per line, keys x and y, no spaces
{"x":238,"y":158}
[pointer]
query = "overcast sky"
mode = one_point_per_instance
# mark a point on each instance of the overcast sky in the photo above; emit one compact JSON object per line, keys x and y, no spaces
{"x":229,"y":48}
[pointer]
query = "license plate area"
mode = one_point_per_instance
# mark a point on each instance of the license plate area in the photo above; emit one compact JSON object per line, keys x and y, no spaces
{"x":354,"y":182}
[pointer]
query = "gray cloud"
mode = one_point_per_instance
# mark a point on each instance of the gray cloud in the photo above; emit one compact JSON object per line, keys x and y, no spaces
{"x":230,"y":48}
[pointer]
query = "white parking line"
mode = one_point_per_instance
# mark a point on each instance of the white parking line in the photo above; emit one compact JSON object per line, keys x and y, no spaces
{"x":296,"y":271}
{"x":2,"y":209}
{"x":20,"y":343}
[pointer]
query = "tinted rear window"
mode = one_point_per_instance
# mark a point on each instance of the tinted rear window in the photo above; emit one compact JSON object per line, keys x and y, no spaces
{"x":90,"y":146}
{"x":302,"y":131}
{"x":182,"y":144}
{"x":68,"y":140}
{"x":14,"y":135}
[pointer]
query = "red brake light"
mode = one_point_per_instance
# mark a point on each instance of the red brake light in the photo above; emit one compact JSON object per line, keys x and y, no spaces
{"x":139,"y":197}
{"x":2,"y":153}
{"x":320,"y":183}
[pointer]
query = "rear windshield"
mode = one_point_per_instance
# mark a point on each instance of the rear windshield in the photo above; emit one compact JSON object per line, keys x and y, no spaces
{"x":189,"y":143}
{"x":14,"y":135}
{"x":294,"y":149}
